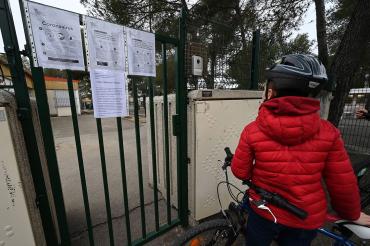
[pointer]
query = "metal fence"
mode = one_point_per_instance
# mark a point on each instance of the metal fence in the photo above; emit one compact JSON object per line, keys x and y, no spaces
{"x":227,"y":56}
{"x":168,"y":47}
{"x":356,"y":131}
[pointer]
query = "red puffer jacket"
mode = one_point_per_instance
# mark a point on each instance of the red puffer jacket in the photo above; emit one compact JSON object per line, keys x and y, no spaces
{"x":290,"y":150}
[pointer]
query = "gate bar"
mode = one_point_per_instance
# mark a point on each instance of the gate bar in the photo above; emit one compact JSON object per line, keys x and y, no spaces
{"x":124,"y":179}
{"x":139,"y":161}
{"x":166,"y":139}
{"x":76,"y":130}
{"x":24,"y":106}
{"x":154,"y":156}
{"x":105,"y":181}
{"x":50,"y":153}
{"x":154,"y":234}
{"x":181,"y":110}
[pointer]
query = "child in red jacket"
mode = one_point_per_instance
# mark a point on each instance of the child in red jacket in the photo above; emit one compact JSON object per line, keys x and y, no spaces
{"x":289,"y":150}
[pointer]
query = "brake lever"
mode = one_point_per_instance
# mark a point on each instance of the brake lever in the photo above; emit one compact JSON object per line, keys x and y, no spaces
{"x":225,"y":165}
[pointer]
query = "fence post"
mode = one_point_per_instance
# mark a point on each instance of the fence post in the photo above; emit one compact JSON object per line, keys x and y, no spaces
{"x":47,"y":136}
{"x":24,"y":111}
{"x":181,"y":109}
{"x":255,"y":60}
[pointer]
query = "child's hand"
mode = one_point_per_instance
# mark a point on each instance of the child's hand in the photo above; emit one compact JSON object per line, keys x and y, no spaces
{"x":363,"y":220}
{"x":360,"y":113}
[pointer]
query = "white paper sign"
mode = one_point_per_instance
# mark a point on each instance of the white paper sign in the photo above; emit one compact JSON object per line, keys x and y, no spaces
{"x":105,"y":44}
{"x":56,"y":37}
{"x":108,"y":93}
{"x":141,"y":52}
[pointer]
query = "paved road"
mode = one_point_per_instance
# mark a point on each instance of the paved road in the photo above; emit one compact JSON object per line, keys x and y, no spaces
{"x":69,"y":171}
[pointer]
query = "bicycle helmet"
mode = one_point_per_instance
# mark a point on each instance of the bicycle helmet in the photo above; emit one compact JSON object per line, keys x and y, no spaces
{"x":301,"y":73}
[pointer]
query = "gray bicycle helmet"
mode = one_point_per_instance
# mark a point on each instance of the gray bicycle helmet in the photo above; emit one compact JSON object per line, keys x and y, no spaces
{"x":297,"y":72}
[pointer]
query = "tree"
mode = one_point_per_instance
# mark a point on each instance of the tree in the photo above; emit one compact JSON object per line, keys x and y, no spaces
{"x":322,"y":44}
{"x":171,"y":74}
{"x":158,"y":15}
{"x":226,"y":26}
{"x":321,"y":32}
{"x":349,"y":56}
{"x":269,"y":53}
{"x":84,"y":88}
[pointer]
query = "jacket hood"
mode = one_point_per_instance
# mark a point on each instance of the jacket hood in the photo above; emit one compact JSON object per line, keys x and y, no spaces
{"x":289,"y":120}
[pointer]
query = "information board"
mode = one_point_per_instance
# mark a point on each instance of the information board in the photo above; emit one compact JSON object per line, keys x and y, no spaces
{"x":105,"y":44}
{"x":141,"y":52}
{"x":55,"y":37}
{"x":108,"y":93}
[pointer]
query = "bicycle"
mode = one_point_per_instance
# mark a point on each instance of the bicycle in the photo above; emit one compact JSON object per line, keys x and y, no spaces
{"x":225,"y":231}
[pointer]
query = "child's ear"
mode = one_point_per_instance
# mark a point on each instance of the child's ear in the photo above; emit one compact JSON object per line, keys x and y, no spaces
{"x":270,"y":93}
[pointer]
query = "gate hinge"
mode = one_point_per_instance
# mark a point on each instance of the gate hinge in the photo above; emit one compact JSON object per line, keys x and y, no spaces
{"x":188,"y":160}
{"x":23,"y":113}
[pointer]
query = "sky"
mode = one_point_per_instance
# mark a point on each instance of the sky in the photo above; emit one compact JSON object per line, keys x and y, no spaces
{"x":308,"y":25}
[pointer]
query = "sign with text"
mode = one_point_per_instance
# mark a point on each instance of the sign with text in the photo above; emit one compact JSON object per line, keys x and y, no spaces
{"x":105,"y":44}
{"x":141,"y":52}
{"x":55,"y":37}
{"x":109,"y":93}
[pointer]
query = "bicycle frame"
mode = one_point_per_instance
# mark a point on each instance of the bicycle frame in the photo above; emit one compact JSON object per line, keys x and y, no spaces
{"x":339,"y":240}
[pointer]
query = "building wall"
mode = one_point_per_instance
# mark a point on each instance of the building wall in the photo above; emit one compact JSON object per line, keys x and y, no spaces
{"x":61,"y":102}
{"x":51,"y":102}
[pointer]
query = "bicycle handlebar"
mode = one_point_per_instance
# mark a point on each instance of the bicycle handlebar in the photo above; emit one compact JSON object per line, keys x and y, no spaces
{"x":228,"y":153}
{"x":269,"y":197}
{"x":278,"y":201}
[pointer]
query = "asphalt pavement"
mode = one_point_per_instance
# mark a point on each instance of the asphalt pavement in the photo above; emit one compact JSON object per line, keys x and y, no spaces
{"x":71,"y":183}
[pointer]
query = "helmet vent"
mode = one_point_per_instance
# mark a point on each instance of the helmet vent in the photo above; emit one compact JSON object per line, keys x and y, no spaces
{"x":313,"y":84}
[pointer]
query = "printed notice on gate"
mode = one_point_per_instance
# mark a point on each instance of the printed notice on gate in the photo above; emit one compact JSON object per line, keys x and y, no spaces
{"x":56,"y":37}
{"x":141,"y":52}
{"x":108,"y":93}
{"x":105,"y":44}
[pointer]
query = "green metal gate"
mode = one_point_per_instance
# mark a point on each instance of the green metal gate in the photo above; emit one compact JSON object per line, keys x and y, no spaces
{"x":179,"y":130}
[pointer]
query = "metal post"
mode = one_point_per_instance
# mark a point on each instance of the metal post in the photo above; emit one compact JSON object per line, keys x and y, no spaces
{"x":80,"y":157}
{"x":166,"y":137}
{"x":47,"y":135}
{"x":50,"y":153}
{"x":139,"y":161}
{"x":255,"y":60}
{"x":124,"y":180}
{"x":105,"y":181}
{"x":154,"y":156}
{"x":181,"y":111}
{"x":24,"y":111}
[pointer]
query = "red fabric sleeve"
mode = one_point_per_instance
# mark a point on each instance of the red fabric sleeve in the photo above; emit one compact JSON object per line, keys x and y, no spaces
{"x":242,"y":162}
{"x":342,"y":182}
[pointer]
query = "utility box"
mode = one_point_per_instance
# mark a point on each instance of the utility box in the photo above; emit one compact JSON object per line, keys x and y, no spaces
{"x":20,"y":221}
{"x":197,"y":66}
{"x":216,"y":119}
{"x":14,"y":218}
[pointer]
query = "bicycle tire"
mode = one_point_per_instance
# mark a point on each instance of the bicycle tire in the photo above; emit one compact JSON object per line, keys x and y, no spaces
{"x":204,"y":227}
{"x":362,"y":172}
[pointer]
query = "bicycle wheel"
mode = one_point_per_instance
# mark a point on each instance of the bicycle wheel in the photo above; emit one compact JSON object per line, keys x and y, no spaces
{"x":214,"y":232}
{"x":363,"y":177}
